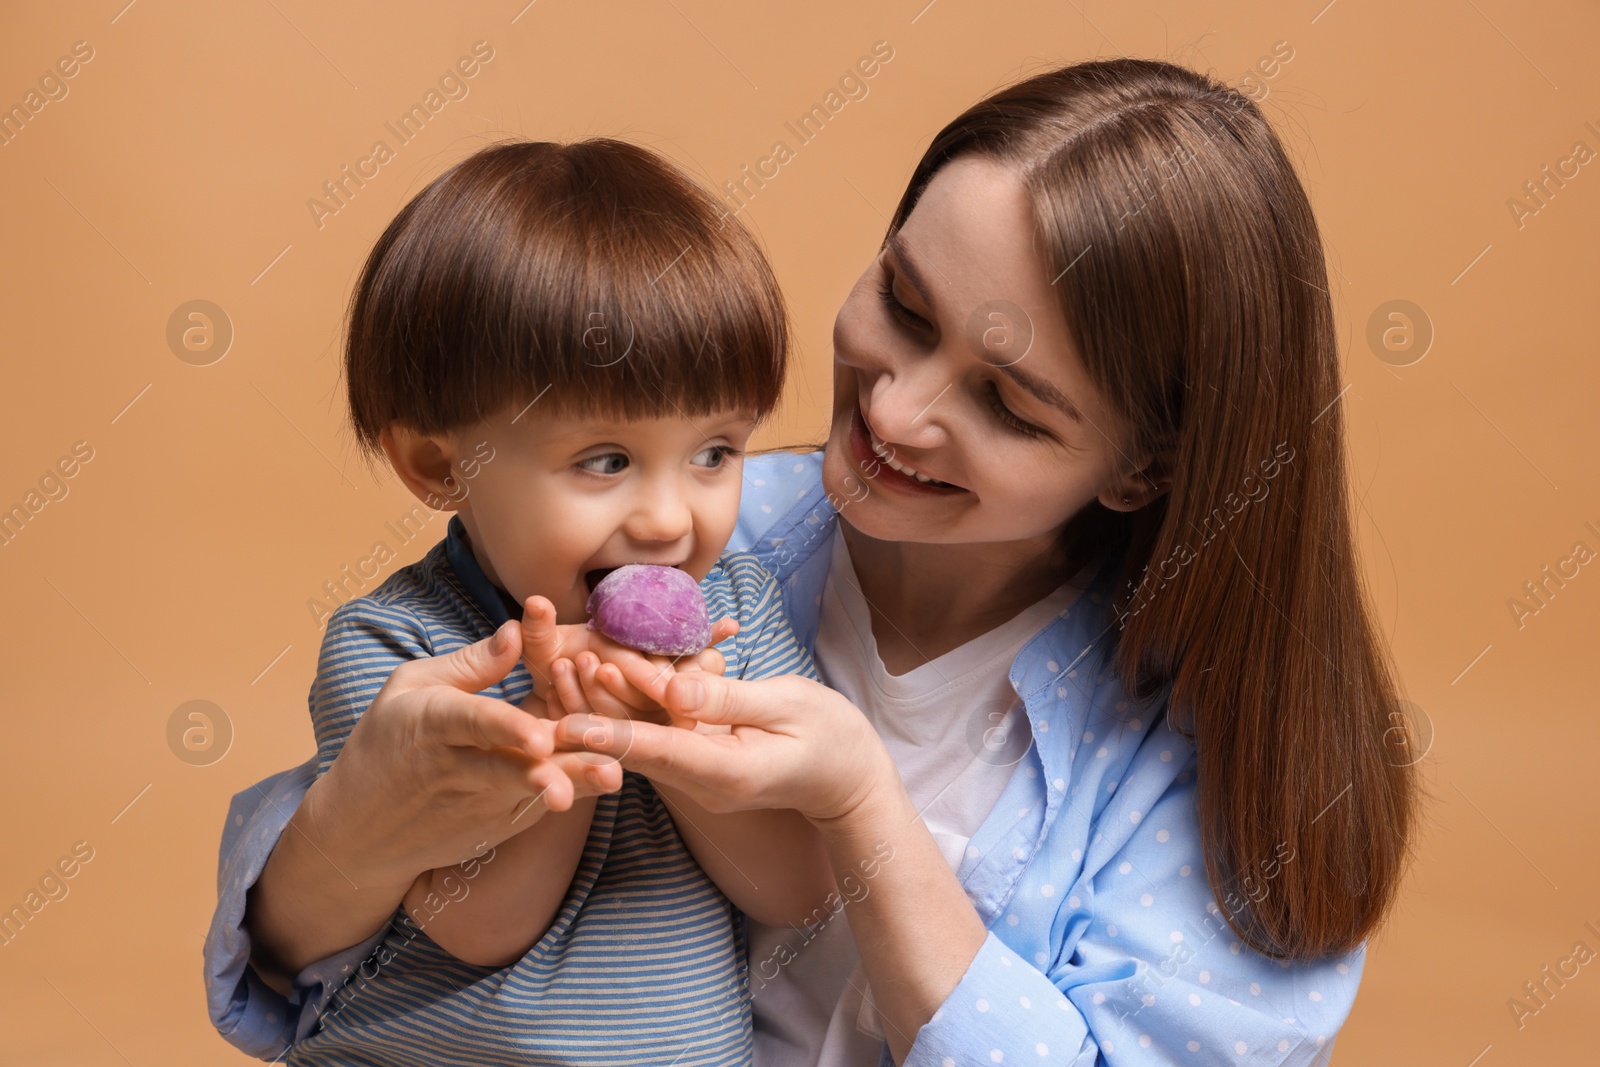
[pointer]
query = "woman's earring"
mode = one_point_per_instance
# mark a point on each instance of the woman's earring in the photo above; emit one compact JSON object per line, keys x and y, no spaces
{"x":1127,"y":500}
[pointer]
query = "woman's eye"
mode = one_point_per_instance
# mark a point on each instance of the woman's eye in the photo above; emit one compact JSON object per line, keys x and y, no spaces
{"x":715,"y":456}
{"x":609,"y":463}
{"x":1005,"y":415}
{"x":897,"y":310}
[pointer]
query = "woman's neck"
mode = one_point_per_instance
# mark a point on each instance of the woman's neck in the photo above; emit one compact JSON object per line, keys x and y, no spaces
{"x":927,"y":599}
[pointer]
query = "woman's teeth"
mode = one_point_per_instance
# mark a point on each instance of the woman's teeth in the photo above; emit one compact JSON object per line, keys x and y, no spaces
{"x":883,"y":453}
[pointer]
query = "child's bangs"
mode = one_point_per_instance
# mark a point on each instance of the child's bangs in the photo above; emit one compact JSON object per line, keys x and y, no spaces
{"x":589,"y":278}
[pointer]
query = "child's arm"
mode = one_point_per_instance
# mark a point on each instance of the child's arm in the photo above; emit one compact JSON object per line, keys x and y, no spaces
{"x":490,"y":910}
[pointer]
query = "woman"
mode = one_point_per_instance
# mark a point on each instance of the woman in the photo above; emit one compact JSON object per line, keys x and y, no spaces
{"x":1107,"y":772}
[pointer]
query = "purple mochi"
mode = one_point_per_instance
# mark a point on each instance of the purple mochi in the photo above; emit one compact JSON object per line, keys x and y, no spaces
{"x":654,"y":609}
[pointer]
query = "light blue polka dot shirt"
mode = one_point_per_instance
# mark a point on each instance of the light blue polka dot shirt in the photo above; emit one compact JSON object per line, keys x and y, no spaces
{"x":1106,"y":944}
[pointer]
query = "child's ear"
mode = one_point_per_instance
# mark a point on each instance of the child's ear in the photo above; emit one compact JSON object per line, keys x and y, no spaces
{"x":426,"y":464}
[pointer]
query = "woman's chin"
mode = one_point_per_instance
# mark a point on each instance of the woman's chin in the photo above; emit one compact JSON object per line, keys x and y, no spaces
{"x":867,"y":510}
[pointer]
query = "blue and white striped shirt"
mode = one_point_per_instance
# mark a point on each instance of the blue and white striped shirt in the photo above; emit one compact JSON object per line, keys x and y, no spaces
{"x":646,"y":959}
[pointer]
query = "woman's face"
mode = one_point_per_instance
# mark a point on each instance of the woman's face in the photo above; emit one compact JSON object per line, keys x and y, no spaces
{"x":952,"y":361}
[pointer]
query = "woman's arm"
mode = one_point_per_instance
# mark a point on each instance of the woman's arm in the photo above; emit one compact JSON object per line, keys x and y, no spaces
{"x":1118,"y":949}
{"x":815,"y":753}
{"x":915,"y":929}
{"x":306,"y":905}
{"x":430,"y":773}
{"x":770,"y":863}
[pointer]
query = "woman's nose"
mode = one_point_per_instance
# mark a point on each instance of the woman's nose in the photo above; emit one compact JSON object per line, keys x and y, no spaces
{"x":905,"y":404}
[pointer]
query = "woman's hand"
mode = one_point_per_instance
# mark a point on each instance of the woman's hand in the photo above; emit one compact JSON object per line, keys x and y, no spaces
{"x":431,"y":773}
{"x":791,"y":743}
{"x":795,"y":743}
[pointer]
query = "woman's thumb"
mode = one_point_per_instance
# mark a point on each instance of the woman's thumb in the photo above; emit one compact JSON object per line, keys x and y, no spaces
{"x":471,"y":668}
{"x":707,"y":697}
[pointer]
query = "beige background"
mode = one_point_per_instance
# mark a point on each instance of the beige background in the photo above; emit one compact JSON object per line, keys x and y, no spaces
{"x":179,"y":565}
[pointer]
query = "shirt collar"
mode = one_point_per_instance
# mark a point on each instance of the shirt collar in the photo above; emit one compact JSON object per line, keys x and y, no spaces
{"x":497,"y":604}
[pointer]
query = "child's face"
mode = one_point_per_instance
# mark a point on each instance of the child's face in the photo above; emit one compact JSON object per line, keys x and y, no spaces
{"x":551,"y":502}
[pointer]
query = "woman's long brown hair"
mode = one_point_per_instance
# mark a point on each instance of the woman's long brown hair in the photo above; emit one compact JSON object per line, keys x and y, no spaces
{"x":1190,"y":270}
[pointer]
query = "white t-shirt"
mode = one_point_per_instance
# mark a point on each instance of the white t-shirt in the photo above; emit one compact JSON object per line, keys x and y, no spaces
{"x":955,"y":731}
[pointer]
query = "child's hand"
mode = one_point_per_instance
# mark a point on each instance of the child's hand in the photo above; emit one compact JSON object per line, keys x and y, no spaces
{"x":621,"y":686}
{"x":545,"y":643}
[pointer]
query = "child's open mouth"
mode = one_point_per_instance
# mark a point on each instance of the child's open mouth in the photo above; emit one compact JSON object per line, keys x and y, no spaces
{"x":592,"y":578}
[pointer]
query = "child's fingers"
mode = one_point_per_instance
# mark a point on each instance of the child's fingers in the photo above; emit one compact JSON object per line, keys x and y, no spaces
{"x":708,"y":659}
{"x":618,"y":656}
{"x":601,"y":696}
{"x":541,"y":641}
{"x":723,"y":629}
{"x":567,"y":688}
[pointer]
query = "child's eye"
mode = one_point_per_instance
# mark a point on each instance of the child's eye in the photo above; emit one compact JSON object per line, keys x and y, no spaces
{"x":608,"y":463}
{"x":715,"y":456}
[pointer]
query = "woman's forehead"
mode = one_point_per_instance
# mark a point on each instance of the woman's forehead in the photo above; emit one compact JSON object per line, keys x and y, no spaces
{"x":970,"y":249}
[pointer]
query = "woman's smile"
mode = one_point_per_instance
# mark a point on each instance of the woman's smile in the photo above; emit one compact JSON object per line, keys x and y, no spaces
{"x":876,"y":462}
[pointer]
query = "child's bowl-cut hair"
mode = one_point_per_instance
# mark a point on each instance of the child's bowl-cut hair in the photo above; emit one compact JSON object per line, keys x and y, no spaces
{"x":592,"y":278}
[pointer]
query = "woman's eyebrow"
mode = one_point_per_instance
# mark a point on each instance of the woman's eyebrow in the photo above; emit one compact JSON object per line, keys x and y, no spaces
{"x":897,"y":245}
{"x":1041,"y":389}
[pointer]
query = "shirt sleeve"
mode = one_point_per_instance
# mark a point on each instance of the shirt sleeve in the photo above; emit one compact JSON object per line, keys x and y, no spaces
{"x":1143,"y":968}
{"x":359,"y":650}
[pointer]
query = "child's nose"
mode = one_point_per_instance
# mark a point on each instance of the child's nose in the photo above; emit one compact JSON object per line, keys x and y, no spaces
{"x":662,"y":514}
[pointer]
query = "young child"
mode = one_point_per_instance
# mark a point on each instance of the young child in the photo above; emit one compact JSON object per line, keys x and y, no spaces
{"x":569,"y":346}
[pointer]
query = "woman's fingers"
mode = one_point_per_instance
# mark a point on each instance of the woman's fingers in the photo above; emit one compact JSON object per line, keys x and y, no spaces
{"x":469,"y":720}
{"x":646,"y":747}
{"x":471,"y":669}
{"x":709,"y":660}
{"x":768,"y":703}
{"x":590,"y":774}
{"x":723,"y":629}
{"x":550,"y":786}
